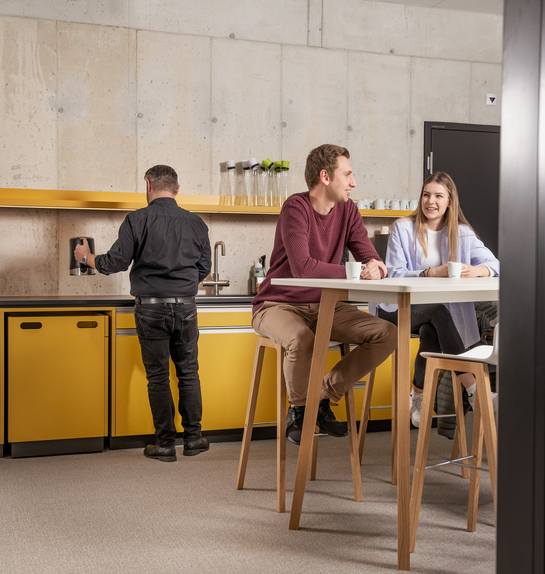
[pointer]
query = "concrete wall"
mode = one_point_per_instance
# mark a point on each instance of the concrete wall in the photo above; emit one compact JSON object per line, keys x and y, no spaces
{"x":93,"y":93}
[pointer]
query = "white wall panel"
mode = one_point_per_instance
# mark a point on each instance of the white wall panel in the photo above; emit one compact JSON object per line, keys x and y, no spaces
{"x":440,"y":91}
{"x":283,"y":21}
{"x":105,"y":12}
{"x":482,"y":35}
{"x":378,"y":113}
{"x":97,"y":128}
{"x":314,"y":105}
{"x":28,"y":114}
{"x":174,"y":103}
{"x":412,"y":31}
{"x":315,"y":15}
{"x":245,"y":102}
{"x":485,"y":79}
{"x":28,"y":252}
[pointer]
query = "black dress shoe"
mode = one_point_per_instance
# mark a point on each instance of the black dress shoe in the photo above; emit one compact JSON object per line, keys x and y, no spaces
{"x":194,"y":447}
{"x":294,"y":436}
{"x":326,"y":421}
{"x":294,"y":423}
{"x":162,"y":453}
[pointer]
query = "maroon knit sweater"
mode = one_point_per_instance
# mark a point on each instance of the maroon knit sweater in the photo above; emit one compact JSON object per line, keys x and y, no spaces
{"x":311,"y":245}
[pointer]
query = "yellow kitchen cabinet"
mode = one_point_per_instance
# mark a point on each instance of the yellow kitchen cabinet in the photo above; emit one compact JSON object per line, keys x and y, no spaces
{"x":57,"y":381}
{"x":226,"y":352}
{"x":226,"y":361}
{"x":226,"y":355}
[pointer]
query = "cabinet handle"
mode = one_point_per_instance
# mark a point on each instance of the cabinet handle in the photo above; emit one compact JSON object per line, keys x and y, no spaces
{"x":35,"y":325}
{"x":87,"y":324}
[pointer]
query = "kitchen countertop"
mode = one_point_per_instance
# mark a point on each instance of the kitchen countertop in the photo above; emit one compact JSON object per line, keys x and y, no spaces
{"x":55,"y":301}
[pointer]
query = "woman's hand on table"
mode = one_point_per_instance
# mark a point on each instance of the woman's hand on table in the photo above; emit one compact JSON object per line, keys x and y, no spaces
{"x":372,"y":270}
{"x":441,"y":271}
{"x":474,"y":271}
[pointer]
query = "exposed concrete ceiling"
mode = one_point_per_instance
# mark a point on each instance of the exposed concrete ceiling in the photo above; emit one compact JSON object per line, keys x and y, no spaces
{"x":482,"y":6}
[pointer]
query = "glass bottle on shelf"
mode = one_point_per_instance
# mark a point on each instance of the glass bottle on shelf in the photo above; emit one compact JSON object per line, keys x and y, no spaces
{"x":283,"y":181}
{"x":265,"y":182}
{"x":275,"y":168}
{"x":254,"y":170}
{"x":246,"y":187}
{"x":227,"y":183}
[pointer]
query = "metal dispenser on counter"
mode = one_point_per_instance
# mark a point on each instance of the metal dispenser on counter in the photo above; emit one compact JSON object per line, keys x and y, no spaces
{"x":77,"y":268}
{"x":257,"y":275}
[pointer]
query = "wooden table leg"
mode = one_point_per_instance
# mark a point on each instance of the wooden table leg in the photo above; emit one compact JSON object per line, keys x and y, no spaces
{"x":403,"y":431}
{"x":321,"y":344}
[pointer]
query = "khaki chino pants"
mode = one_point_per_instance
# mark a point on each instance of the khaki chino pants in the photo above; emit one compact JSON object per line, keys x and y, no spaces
{"x":293,"y":326}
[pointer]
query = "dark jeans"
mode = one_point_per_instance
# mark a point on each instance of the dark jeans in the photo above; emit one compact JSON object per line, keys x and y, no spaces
{"x":437,"y":331}
{"x":170,"y":330}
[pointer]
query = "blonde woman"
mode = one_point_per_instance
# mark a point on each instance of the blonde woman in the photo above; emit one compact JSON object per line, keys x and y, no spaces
{"x":421,"y":245}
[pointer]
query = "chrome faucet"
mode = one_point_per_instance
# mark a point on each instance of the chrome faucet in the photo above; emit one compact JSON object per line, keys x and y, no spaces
{"x":216,"y":282}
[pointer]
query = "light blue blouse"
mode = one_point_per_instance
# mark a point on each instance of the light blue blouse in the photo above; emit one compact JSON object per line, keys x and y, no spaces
{"x":404,"y":257}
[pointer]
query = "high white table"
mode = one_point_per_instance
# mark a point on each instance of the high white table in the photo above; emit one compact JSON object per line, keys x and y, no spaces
{"x":405,"y":292}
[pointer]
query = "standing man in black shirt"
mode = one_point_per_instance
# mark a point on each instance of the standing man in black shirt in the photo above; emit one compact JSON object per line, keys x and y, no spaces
{"x":170,"y":251}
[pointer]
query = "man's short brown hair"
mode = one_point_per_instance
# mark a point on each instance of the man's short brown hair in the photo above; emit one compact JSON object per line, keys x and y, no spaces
{"x":323,"y":157}
{"x":162,"y":178}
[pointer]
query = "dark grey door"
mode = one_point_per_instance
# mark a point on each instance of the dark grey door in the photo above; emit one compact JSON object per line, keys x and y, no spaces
{"x":470,"y":154}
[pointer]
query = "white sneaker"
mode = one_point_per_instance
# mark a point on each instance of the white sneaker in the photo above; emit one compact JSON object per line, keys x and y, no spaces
{"x":471,"y":398}
{"x":416,"y":407}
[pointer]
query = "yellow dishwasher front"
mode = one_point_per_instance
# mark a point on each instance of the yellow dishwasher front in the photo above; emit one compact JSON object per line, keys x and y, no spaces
{"x":57,"y":383}
{"x":226,"y":354}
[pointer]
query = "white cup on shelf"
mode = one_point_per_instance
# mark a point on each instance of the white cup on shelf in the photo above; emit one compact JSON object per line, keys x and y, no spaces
{"x":380,"y":204}
{"x":404,"y":205}
{"x":413,"y":204}
{"x":353,"y":269}
{"x":395,"y":204}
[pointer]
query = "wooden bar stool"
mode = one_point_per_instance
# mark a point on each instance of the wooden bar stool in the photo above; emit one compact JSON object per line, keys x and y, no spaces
{"x":459,"y":438}
{"x":262,"y":344}
{"x":366,"y":407}
{"x":474,"y":361}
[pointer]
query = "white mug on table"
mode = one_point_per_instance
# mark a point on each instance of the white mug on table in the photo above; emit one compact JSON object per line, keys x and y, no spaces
{"x":455,"y":268}
{"x":353,"y":269}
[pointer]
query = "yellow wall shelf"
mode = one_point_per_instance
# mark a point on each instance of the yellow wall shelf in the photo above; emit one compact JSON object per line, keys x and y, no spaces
{"x":66,"y":199}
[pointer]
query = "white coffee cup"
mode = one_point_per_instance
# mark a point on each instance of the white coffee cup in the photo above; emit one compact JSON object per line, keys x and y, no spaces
{"x":413,"y":204}
{"x":379,"y":204}
{"x":395,"y":204}
{"x":361,"y":204}
{"x":455,"y":268}
{"x":366,"y":204}
{"x":353,"y":269}
{"x":404,"y":204}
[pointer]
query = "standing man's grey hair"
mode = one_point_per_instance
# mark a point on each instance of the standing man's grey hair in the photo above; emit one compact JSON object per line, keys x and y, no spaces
{"x":162,"y":178}
{"x":323,"y":157}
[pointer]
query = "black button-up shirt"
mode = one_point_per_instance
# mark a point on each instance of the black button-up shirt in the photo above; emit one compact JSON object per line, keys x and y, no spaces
{"x":169,"y":246}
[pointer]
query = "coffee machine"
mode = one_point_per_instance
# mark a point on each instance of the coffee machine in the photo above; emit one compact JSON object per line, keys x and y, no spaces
{"x":77,"y":268}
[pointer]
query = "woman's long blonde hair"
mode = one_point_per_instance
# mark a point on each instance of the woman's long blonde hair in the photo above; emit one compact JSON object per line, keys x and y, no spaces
{"x":451,"y":220}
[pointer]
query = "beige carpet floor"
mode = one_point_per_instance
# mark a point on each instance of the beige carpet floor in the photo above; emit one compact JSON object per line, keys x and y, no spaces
{"x":118,"y":512}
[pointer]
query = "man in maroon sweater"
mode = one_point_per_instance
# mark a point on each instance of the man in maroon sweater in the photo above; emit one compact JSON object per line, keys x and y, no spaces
{"x":313,"y":230}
